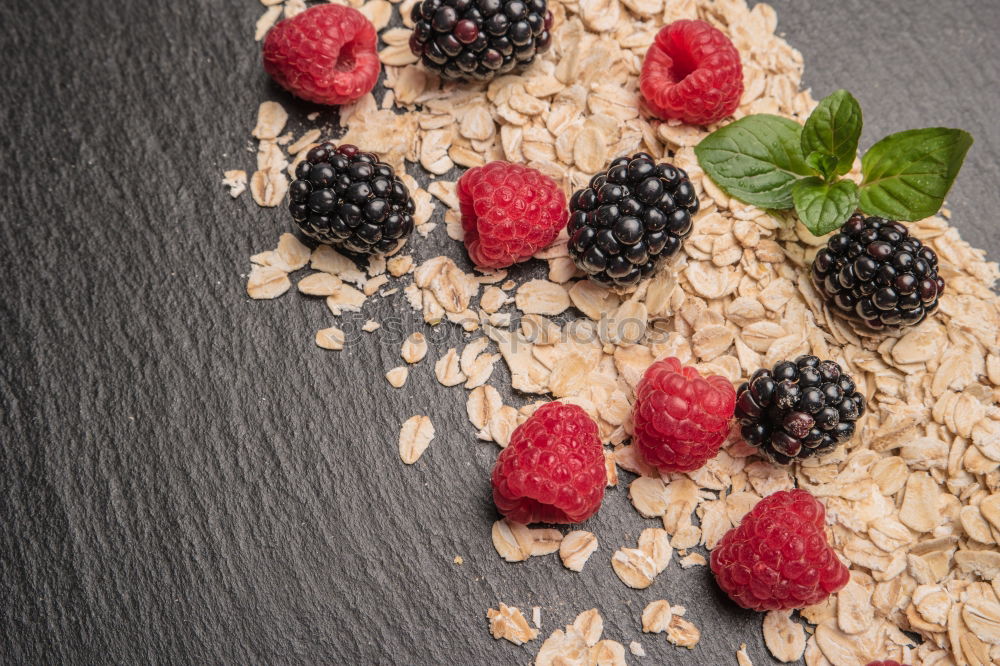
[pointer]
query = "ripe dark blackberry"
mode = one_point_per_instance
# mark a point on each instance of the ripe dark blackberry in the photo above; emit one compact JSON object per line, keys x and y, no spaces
{"x":347,"y":198}
{"x":629,"y":219}
{"x":798,"y":409}
{"x":479,"y":39}
{"x":874,"y":272}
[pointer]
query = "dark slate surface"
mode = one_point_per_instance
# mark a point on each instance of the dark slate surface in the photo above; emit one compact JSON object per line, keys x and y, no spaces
{"x":187,"y":477}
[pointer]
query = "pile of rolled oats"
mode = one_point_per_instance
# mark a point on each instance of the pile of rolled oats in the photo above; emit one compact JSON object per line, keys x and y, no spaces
{"x":913,"y":501}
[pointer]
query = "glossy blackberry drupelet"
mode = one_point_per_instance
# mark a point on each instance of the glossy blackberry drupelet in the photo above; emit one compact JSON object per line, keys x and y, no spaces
{"x":798,"y":409}
{"x":874,"y":272}
{"x":479,"y":39}
{"x":629,"y":219}
{"x":347,"y":198}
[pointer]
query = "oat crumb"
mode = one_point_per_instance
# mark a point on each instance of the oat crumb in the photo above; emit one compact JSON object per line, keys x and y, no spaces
{"x":236,"y":181}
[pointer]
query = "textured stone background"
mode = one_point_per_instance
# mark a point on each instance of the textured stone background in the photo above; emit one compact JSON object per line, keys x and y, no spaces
{"x":187,"y":477}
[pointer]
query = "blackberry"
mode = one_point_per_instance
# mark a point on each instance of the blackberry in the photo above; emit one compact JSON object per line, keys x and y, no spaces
{"x":479,"y":39}
{"x":629,"y":219}
{"x":875,"y":273}
{"x":345,"y":197}
{"x":798,"y":409}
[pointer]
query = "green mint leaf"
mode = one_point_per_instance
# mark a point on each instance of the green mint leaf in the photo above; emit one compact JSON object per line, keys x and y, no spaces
{"x":823,"y":207}
{"x":823,"y":163}
{"x":908,"y":174}
{"x":833,"y":128}
{"x":756,"y":159}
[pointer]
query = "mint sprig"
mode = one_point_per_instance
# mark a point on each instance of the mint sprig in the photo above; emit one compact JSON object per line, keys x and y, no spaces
{"x":756,"y":159}
{"x":908,"y":174}
{"x":775,"y":163}
{"x":833,"y":130}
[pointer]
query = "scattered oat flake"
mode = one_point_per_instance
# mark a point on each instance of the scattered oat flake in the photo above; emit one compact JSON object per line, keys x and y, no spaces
{"x":784,"y":637}
{"x":458,"y":560}
{"x":414,"y":348}
{"x":345,"y":299}
{"x":293,"y":253}
{"x":236,"y":181}
{"x":576,"y":548}
{"x":266,"y":282}
{"x":634,"y":567}
{"x":268,"y":187}
{"x":545,"y":541}
{"x":264,"y":23}
{"x":656,"y":617}
{"x":400,"y":265}
{"x":502,"y":425}
{"x":635,"y":647}
{"x":371,"y":326}
{"x":483,"y":402}
{"x":590,"y":624}
{"x":655,"y":542}
{"x":330,"y":338}
{"x":397,"y":376}
{"x":319,"y":284}
{"x":509,"y":623}
{"x":414,"y":437}
{"x":303,"y":142}
{"x":742,"y":658}
{"x":693,"y":560}
{"x":447,"y":369}
{"x":683,"y":632}
{"x":271,"y":119}
{"x":513,"y":541}
{"x":541,"y":297}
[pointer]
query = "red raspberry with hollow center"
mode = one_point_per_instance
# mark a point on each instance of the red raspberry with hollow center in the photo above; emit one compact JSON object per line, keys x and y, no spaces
{"x":325,"y":55}
{"x":553,"y":469}
{"x":692,"y":72}
{"x":509,"y":212}
{"x":779,"y":557}
{"x":681,"y":418}
{"x":886,"y":662}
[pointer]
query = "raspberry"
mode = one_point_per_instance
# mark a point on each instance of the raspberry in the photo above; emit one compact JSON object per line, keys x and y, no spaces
{"x":325,"y":55}
{"x":692,"y":72}
{"x":681,"y":418}
{"x":348,"y":198}
{"x":874,"y":272}
{"x":886,"y":662}
{"x":798,"y":409}
{"x":553,"y":469}
{"x":779,"y":558}
{"x":479,"y":39}
{"x":629,"y":219}
{"x":509,"y":212}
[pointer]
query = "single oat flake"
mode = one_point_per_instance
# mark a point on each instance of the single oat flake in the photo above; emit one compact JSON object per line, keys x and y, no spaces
{"x":330,"y":338}
{"x":634,"y":567}
{"x":513,"y":541}
{"x":414,"y":348}
{"x":509,"y":623}
{"x":397,"y":376}
{"x":784,"y":637}
{"x":414,"y":437}
{"x":266,"y":282}
{"x":576,"y":548}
